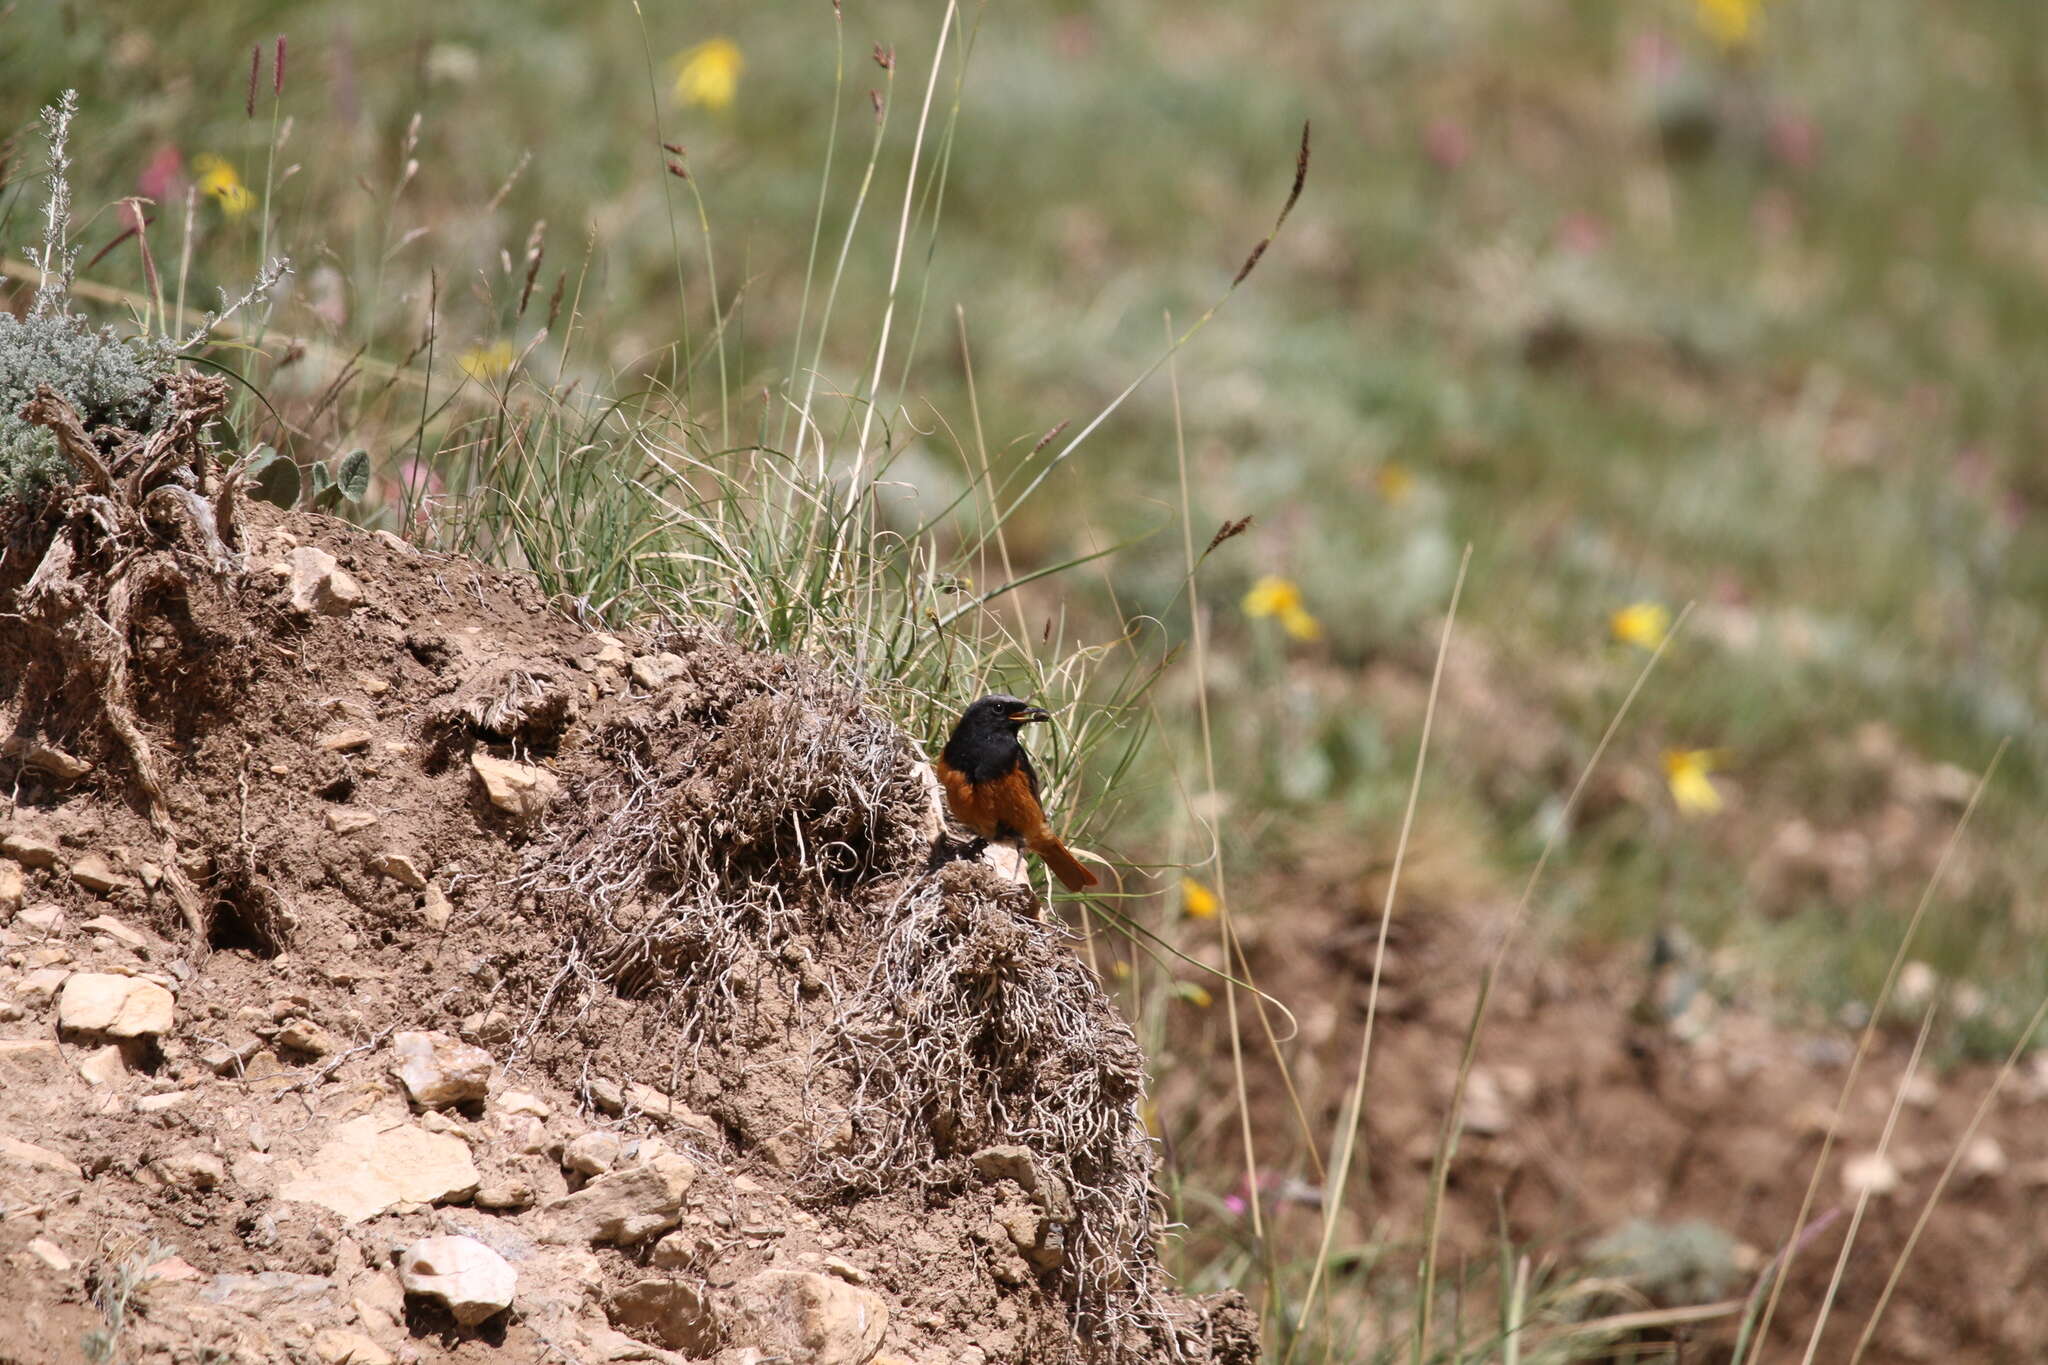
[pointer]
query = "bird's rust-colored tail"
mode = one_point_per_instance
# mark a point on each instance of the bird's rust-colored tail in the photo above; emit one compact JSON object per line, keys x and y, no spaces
{"x":1072,"y":875}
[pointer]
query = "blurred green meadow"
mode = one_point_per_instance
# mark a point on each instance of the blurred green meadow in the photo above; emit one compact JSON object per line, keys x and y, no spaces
{"x":1743,"y":306}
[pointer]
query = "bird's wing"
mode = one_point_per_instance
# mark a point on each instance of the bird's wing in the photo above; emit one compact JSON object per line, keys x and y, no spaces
{"x":1030,"y":773}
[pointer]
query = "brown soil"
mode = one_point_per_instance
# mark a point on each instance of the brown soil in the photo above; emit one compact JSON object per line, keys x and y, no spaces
{"x":1609,"y":1089}
{"x":727,"y":930}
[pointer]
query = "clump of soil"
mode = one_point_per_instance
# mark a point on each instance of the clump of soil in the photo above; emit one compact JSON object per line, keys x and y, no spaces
{"x":354,"y":900}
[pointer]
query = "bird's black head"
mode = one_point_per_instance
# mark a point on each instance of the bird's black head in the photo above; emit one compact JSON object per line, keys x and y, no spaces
{"x":985,"y":740}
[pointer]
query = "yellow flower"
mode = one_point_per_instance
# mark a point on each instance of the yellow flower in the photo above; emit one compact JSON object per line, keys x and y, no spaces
{"x":1196,"y":899}
{"x":485,"y":363}
{"x":1685,"y":770}
{"x":1194,"y":995}
{"x":1641,"y":623}
{"x":1728,"y":22}
{"x":1281,"y":597}
{"x":709,"y":73}
{"x":1394,"y":482}
{"x":218,"y":181}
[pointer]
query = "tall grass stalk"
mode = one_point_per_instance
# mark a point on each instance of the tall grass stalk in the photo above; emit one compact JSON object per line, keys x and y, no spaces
{"x":1354,"y":1107}
{"x":1447,"y":1141}
{"x":1884,"y":1145}
{"x":1863,"y":1042}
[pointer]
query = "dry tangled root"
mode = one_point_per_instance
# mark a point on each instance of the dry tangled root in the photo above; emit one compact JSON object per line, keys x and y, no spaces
{"x":753,"y":829}
{"x":978,"y":1028}
{"x":142,"y":519}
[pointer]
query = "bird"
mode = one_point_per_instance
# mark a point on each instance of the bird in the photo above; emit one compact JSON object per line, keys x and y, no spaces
{"x":992,"y":788}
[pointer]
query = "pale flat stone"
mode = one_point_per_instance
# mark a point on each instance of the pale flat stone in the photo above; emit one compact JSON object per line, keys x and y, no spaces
{"x":13,"y":889}
{"x":39,"y":987}
{"x":521,"y":1102}
{"x":435,"y":908}
{"x":316,"y":582}
{"x":622,"y":1207}
{"x":519,"y":789}
{"x":371,"y":1165}
{"x":18,"y":1153}
{"x":27,"y":1063}
{"x":675,"y":1311}
{"x":400,"y":869}
{"x":118,"y":930}
{"x":437,"y":1070}
{"x":594,"y":1153}
{"x":28,"y":850}
{"x":102,"y":1066}
{"x":337,"y":1346}
{"x":349,"y":820}
{"x":50,"y":1254}
{"x":474,"y":1281}
{"x":95,"y":873}
{"x":123,"y":1006}
{"x":346,"y":741}
{"x":807,"y":1318}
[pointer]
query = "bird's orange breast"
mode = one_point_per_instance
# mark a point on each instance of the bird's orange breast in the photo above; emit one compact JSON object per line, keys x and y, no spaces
{"x":1002,"y":808}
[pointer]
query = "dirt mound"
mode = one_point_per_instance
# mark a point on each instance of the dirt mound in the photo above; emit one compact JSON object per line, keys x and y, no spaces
{"x":395,"y":968}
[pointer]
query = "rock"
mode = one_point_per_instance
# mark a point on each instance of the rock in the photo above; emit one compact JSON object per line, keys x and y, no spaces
{"x":523,"y":1133}
{"x":317,"y":583}
{"x":268,"y":1292}
{"x":13,"y":889}
{"x":506,"y":1196}
{"x":594,"y":1153}
{"x":520,"y":1102}
{"x":400,"y":869}
{"x":44,"y":919}
{"x":229,"y":1058}
{"x":15,"y":1152}
{"x":117,"y":930}
{"x":121,"y":1006}
{"x":103,"y":1066}
{"x":27,"y":1063}
{"x":193,"y":1170}
{"x":656,"y":671}
{"x":435,"y":909}
{"x":1984,"y":1159}
{"x":1871,"y":1173}
{"x":645,"y":1099}
{"x":1008,"y":1163}
{"x":434,"y":1121}
{"x":39,"y":987}
{"x":346,"y":741}
{"x":608,"y":1096}
{"x":489,"y":1027}
{"x":677,"y":1313}
{"x":336,"y":1346}
{"x":305,"y":1036}
{"x":685,"y":1249}
{"x":471,"y":1279}
{"x":1486,"y":1104}
{"x":845,"y":1270}
{"x":807,"y":1318}
{"x":28,"y":850}
{"x":349,"y":820}
{"x":50,"y":1254}
{"x":621,"y":1207}
{"x":519,"y":789}
{"x":370,"y":1165}
{"x":95,"y":873}
{"x":164,"y":1103}
{"x":1037,"y":1237}
{"x":438,"y":1071}
{"x":47,"y":759}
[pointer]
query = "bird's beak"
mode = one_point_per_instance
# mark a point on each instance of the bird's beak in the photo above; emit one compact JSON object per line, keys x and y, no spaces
{"x":1030,"y":713}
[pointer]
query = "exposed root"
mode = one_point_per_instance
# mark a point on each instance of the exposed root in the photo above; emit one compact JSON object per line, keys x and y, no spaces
{"x":82,"y":593}
{"x":978,"y":1027}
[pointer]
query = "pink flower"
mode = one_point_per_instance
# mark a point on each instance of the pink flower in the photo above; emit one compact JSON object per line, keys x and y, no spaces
{"x":1582,"y":233}
{"x":166,"y":167}
{"x":1447,"y":143}
{"x":1795,"y":141}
